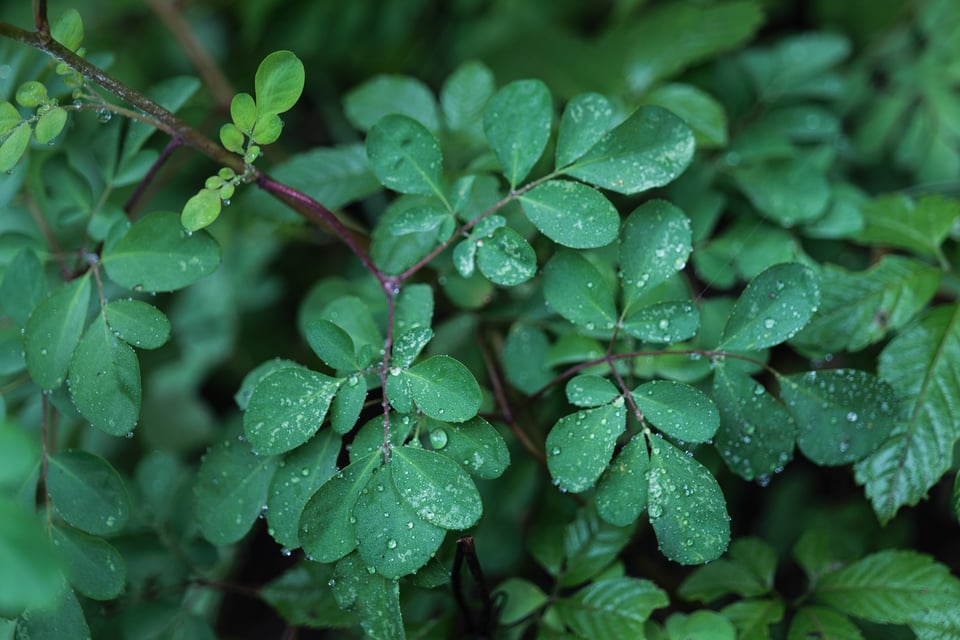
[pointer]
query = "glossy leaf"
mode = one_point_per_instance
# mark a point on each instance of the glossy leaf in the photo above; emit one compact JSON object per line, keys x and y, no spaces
{"x":585,"y":119}
{"x":920,"y":226}
{"x":370,"y":438}
{"x":405,"y":156}
{"x":201,"y":210}
{"x":87,"y":492}
{"x":348,"y":403}
{"x":822,"y":622}
{"x":579,"y":445}
{"x":667,"y":322}
{"x":253,"y":378}
{"x":278,"y":82}
{"x":649,"y":149}
{"x":137,"y":323}
{"x":232,"y":138}
{"x":231,"y":489}
{"x":590,"y":391}
{"x":475,"y":445}
{"x":575,"y":289}
{"x":773,"y":308}
{"x":613,"y":608}
{"x":91,"y":565}
{"x":654,"y":245}
{"x":286,"y":409}
{"x":678,"y":410}
{"x":517,"y":122}
{"x":436,"y":487}
{"x":414,"y":307}
{"x":53,"y":331}
{"x":622,"y":489}
{"x":686,"y":507}
{"x":157,"y":254}
{"x":50,"y":125}
{"x":505,"y":258}
{"x":842,"y":414}
{"x":332,"y":344}
{"x":408,"y":345}
{"x":697,"y":108}
{"x":444,"y":389}
{"x":31,"y":576}
{"x":571,"y":214}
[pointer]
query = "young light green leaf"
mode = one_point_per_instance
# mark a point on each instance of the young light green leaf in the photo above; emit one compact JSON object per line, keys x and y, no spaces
{"x":579,"y":446}
{"x":87,"y":492}
{"x":157,"y":254}
{"x":444,"y":389}
{"x":394,"y":539}
{"x":585,"y":119}
{"x":302,"y":472}
{"x":231,"y":488}
{"x":647,"y":150}
{"x":243,"y":112}
{"x":612,"y":608}
{"x":50,"y":125}
{"x":32,"y":94}
{"x":517,"y":122}
{"x":621,"y":494}
{"x":773,"y":308}
{"x":475,"y":445}
{"x":31,"y":576}
{"x":671,"y":321}
{"x":68,"y":29}
{"x":267,"y":129}
{"x":53,"y":331}
{"x":822,"y":622}
{"x":654,"y":245}
{"x":232,"y":138}
{"x":327,"y":532}
{"x":332,"y":344}
{"x":137,"y":323}
{"x":571,"y":214}
{"x":590,"y":391}
{"x":686,"y":507}
{"x":921,"y":366}
{"x":575,"y":289}
{"x":278,"y":82}
{"x":505,"y":258}
{"x":14,"y":146}
{"x":347,"y":405}
{"x":524,"y":358}
{"x":201,"y":210}
{"x":677,"y":409}
{"x":920,"y":226}
{"x":405,"y":156}
{"x":286,"y":408}
{"x":437,"y":488}
{"x":105,"y":380}
{"x":843,"y":414}
{"x":384,"y":95}
{"x":9,"y":117}
{"x":789,"y":191}
{"x":92,"y":565}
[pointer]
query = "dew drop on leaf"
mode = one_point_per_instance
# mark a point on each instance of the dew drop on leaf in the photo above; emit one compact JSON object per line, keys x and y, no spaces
{"x":438,"y":438}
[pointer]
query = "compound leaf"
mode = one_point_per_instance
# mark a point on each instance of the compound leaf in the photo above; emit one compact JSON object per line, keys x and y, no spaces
{"x":517,"y":122}
{"x":88,"y":492}
{"x":436,"y":487}
{"x":53,"y":331}
{"x":571,"y":214}
{"x":444,"y":389}
{"x":579,"y":446}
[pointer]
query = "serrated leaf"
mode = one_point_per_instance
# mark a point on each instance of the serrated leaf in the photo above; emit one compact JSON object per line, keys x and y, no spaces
{"x":842,"y":414}
{"x":671,"y":321}
{"x":138,"y":323}
{"x":614,"y":608}
{"x":753,"y":618}
{"x":579,"y":446}
{"x":505,"y":258}
{"x":571,"y":214}
{"x":922,"y":364}
{"x":822,"y":622}
{"x":278,"y":82}
{"x":383,"y":95}
{"x":53,"y":331}
{"x":920,"y":226}
{"x":332,"y":344}
{"x":575,"y":289}
{"x":621,"y":494}
{"x":23,"y":287}
{"x":590,"y":391}
{"x":517,"y":121}
{"x":444,"y":389}
{"x":14,"y":146}
{"x":302,"y":472}
{"x":286,"y":408}
{"x":649,"y":149}
{"x":92,"y":565}
{"x":475,"y":445}
{"x":524,"y":358}
{"x":201,"y":210}
{"x":105,"y":380}
{"x":347,"y":405}
{"x":677,"y":409}
{"x":405,"y":156}
{"x":157,"y":254}
{"x":436,"y":487}
{"x":50,"y":125}
{"x":464,"y":94}
{"x":654,"y":245}
{"x":773,"y":308}
{"x":590,"y":545}
{"x":87,"y":492}
{"x":789,"y":192}
{"x":394,"y":539}
{"x":585,"y":119}
{"x":687,"y":509}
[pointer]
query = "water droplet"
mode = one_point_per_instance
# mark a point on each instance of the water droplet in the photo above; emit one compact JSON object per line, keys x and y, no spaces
{"x":391,"y":544}
{"x":104,"y":116}
{"x":769,"y":323}
{"x":285,"y":552}
{"x":353,"y":381}
{"x":852,"y":416}
{"x":438,"y":438}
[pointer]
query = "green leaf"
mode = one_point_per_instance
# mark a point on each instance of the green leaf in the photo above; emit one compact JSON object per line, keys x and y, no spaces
{"x":19,"y":457}
{"x":666,"y":322}
{"x":405,"y":156}
{"x":654,"y":245}
{"x":579,"y":446}
{"x":414,"y":307}
{"x":748,"y":572}
{"x":521,"y":598}
{"x":575,"y":289}
{"x":859,"y":308}
{"x":649,"y":149}
{"x":517,"y":122}
{"x":384,"y":95}
{"x":394,"y":539}
{"x":590,"y":391}
{"x":301,"y":595}
{"x":50,"y":125}
{"x":789,"y":192}
{"x":753,"y":619}
{"x":585,"y":119}
{"x":437,"y":488}
{"x":201,"y":210}
{"x":157,"y":254}
{"x":14,"y":146}
{"x":32,"y":94}
{"x":332,"y":344}
{"x":822,"y":622}
{"x":31,"y":576}
{"x":843,"y":414}
{"x":922,"y":364}
{"x":571,"y":214}
{"x":464,"y":94}
{"x":622,"y":489}
{"x":286,"y":408}
{"x":353,"y":316}
{"x":920,"y":226}
{"x":326,"y":531}
{"x":87,"y":492}
{"x":232,"y":138}
{"x":278,"y":83}
{"x":773,"y":308}
{"x":376,"y":599}
{"x":474,"y":445}
{"x":524,"y":358}
{"x":347,"y":405}
{"x":408,"y":345}
{"x":267,"y":129}
{"x":369,"y":439}
{"x":702,"y":625}
{"x":297,"y":478}
{"x":505,"y":258}
{"x":418,"y":220}
{"x":444,"y":389}
{"x":68,"y":29}
{"x":92,"y":565}
{"x":53,"y":331}
{"x":105,"y":380}
{"x":65,"y":621}
{"x":231,"y":488}
{"x":697,"y":108}
{"x":591,"y":545}
{"x":138,"y":323}
{"x":253,"y":378}
{"x":243,"y":112}
{"x":9,"y":117}
{"x":677,"y":409}
{"x":889,"y":587}
{"x":613,"y":608}
{"x":756,"y":434}
{"x":23,"y":286}
{"x":686,"y":507}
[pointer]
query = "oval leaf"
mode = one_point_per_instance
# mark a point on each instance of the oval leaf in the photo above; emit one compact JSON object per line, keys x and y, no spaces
{"x":575,"y":289}
{"x":585,"y":119}
{"x":332,"y":344}
{"x":671,"y":321}
{"x":655,"y":243}
{"x":279,"y":82}
{"x":572,"y":214}
{"x":505,"y":258}
{"x":346,"y":407}
{"x":437,"y":488}
{"x":88,"y":492}
{"x":579,"y":445}
{"x":53,"y":331}
{"x":31,"y":576}
{"x":444,"y":389}
{"x":92,"y":565}
{"x":677,"y":409}
{"x":138,"y":324}
{"x":50,"y":125}
{"x":13,"y":147}
{"x":590,"y":391}
{"x":201,"y":210}
{"x":475,"y":445}
{"x":405,"y":156}
{"x":517,"y":123}
{"x":622,"y":489}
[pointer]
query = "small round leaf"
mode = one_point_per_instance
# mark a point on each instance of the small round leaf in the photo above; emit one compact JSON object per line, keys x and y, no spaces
{"x":279,"y":82}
